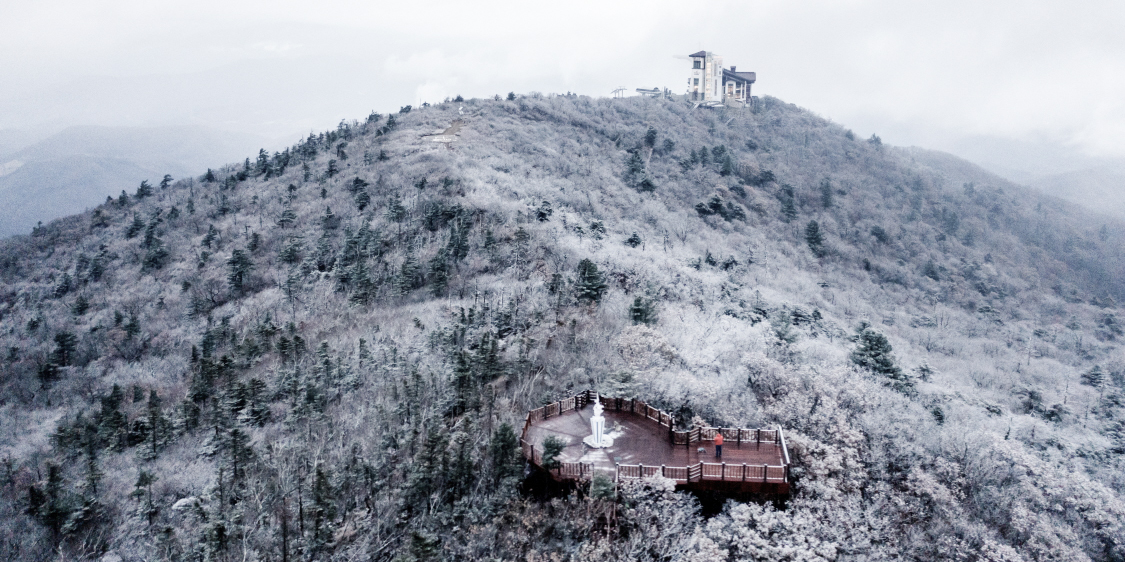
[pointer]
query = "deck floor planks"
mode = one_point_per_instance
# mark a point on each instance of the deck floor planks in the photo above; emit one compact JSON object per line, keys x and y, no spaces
{"x":638,"y":440}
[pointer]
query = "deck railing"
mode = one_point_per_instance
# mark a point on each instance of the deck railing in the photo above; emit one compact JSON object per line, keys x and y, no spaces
{"x":691,"y":473}
{"x":565,"y":470}
{"x":706,"y":471}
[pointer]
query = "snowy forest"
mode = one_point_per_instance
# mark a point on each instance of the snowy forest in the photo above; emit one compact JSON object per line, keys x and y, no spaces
{"x":326,"y":353}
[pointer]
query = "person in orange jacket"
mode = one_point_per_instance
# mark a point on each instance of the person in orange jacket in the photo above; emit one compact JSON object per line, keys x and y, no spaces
{"x":718,"y":444}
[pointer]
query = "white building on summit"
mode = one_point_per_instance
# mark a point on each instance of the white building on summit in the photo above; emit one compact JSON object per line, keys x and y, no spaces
{"x":710,"y":82}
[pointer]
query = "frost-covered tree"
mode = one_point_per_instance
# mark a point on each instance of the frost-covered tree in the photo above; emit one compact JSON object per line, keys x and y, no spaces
{"x":590,"y":285}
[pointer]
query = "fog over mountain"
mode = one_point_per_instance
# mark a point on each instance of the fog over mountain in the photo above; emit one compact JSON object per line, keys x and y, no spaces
{"x":326,"y":352}
{"x":78,"y":167}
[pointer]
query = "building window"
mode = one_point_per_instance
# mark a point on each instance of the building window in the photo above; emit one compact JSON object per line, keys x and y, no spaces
{"x":696,"y":82}
{"x":698,"y":64}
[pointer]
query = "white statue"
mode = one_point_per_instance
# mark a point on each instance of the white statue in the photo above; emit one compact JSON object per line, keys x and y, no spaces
{"x":599,"y":440}
{"x":461,"y":110}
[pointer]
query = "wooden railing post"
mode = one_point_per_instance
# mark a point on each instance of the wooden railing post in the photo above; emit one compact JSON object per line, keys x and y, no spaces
{"x":765,"y":471}
{"x":743,"y":472}
{"x":723,"y":471}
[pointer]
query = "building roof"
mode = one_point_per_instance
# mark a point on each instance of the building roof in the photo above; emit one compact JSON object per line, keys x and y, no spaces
{"x":699,"y":54}
{"x":748,"y":77}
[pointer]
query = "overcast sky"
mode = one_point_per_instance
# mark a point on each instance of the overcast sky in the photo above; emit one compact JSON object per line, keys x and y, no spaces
{"x":935,"y":74}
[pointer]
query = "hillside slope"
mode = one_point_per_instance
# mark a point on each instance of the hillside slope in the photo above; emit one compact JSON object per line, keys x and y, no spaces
{"x":321,"y":354}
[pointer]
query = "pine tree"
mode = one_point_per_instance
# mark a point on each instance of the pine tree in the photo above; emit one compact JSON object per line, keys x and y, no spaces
{"x":239,"y":452}
{"x":144,"y":190}
{"x":427,"y":475}
{"x":150,"y":238}
{"x":642,"y":311}
{"x":142,"y":491}
{"x":210,"y":237}
{"x":395,"y":211}
{"x":111,"y":421}
{"x":288,"y":217}
{"x":504,"y":453}
{"x":410,"y":274}
{"x":91,"y":508}
{"x":362,"y":199}
{"x":323,"y":512}
{"x":591,"y":284}
{"x":1095,"y":377}
{"x":463,"y":469}
{"x":814,"y":238}
{"x":439,"y":272}
{"x":728,"y":166}
{"x":291,"y":252}
{"x":788,"y":210}
{"x":240,"y":266}
{"x":543,"y":212}
{"x":66,"y":344}
{"x":52,"y":505}
{"x":635,"y":166}
{"x":464,"y":387}
{"x":158,"y":427}
{"x":488,"y":358}
{"x":874,"y":353}
{"x":64,"y":286}
{"x":135,"y":228}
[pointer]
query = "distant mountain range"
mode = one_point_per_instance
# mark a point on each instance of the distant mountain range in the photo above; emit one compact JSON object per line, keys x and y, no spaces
{"x":1101,"y":189}
{"x":1097,"y":183}
{"x":78,"y":167}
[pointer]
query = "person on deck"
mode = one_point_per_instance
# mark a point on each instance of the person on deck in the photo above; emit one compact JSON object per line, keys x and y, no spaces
{"x":718,"y":444}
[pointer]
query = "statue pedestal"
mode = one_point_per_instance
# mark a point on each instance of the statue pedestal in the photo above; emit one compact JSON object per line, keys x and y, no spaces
{"x":606,"y":442}
{"x":599,"y":440}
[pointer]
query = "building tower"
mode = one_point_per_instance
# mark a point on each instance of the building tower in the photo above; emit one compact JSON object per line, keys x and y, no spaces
{"x":706,"y":81}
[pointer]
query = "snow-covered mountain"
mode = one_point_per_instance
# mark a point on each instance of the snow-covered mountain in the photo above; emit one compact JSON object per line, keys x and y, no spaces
{"x":321,"y":353}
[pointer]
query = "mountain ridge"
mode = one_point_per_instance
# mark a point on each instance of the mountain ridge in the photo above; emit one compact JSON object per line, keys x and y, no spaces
{"x":385,"y":304}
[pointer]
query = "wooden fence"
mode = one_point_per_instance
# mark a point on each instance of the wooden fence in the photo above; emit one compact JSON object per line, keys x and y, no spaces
{"x":707,"y":471}
{"x":692,"y":473}
{"x":576,"y":402}
{"x":565,"y":470}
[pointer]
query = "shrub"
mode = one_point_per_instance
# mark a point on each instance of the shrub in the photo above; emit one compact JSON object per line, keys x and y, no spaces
{"x":552,"y":447}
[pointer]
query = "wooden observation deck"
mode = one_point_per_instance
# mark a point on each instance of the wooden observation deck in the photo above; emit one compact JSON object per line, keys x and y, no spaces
{"x":646,"y":443}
